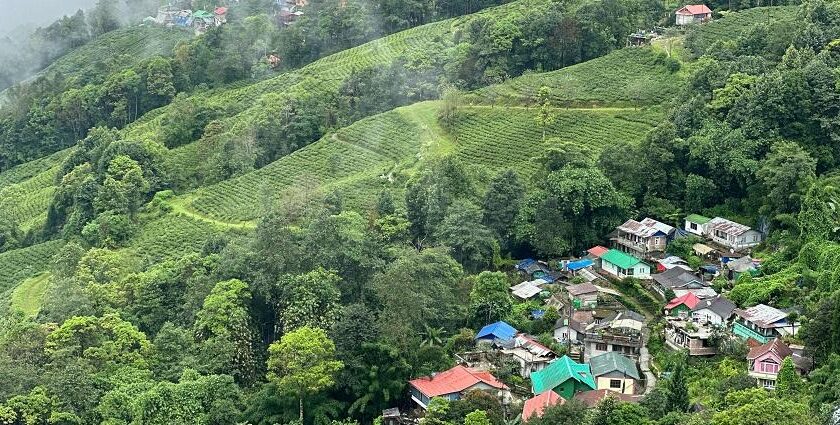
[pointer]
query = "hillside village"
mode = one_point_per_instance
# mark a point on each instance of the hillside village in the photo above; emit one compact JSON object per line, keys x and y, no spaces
{"x":599,"y":343}
{"x":346,"y":212}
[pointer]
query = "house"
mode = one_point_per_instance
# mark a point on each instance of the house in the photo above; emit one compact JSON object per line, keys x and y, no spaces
{"x":220,"y":15}
{"x":643,"y":239}
{"x":714,"y":311}
{"x":703,"y":250}
{"x":595,"y":253}
{"x":496,"y":331}
{"x":693,"y":14}
{"x":671,"y":262}
{"x":573,"y":328}
{"x":682,"y":306}
{"x":762,"y":323}
{"x":615,"y":372}
{"x":166,"y":15}
{"x":623,"y":334}
{"x":528,"y":352}
{"x":622,"y":265}
{"x":681,"y":333}
{"x":584,"y":295}
{"x":576,"y":266}
{"x":737,"y":267}
{"x":591,"y":399}
{"x":696,"y":224}
{"x":681,"y":281}
{"x":732,"y":235}
{"x":563,"y":376}
{"x":454,"y":383}
{"x":527,"y":290}
{"x":535,"y":406}
{"x":533,"y":268}
{"x":765,"y":361}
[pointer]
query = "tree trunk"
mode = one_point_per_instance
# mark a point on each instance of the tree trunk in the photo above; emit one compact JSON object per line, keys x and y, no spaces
{"x":301,"y":409}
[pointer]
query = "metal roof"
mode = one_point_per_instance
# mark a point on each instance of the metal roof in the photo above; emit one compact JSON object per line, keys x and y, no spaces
{"x":658,"y":225}
{"x":560,"y":371}
{"x":620,"y":259}
{"x":764,"y":316}
{"x":728,"y":226}
{"x":500,"y":330}
{"x":640,"y":229}
{"x":697,"y":218}
{"x":613,"y":361}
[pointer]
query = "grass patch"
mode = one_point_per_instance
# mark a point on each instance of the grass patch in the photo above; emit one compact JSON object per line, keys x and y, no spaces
{"x":28,"y":295}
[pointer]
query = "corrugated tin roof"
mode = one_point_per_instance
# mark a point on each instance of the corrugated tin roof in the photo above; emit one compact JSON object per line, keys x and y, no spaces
{"x":640,"y":229}
{"x":694,"y":9}
{"x":689,"y":300}
{"x":658,"y":225}
{"x":559,"y":371}
{"x":728,"y":226}
{"x":582,"y":288}
{"x":535,"y":405}
{"x":454,"y":380}
{"x":597,"y":251}
{"x":500,"y":330}
{"x":620,"y":259}
{"x":763,"y":315}
{"x":613,"y":361}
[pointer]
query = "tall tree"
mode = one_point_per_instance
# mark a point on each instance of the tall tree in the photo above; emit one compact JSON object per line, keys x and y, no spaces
{"x":471,"y":242}
{"x":546,"y":117}
{"x":303,"y":362}
{"x":786,"y":174}
{"x":501,"y":204}
{"x":678,"y":388}
{"x":788,"y":381}
{"x":489,"y":297}
{"x":310,"y":299}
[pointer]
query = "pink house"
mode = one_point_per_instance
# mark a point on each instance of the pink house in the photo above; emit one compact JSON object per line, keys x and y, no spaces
{"x":765,"y":361}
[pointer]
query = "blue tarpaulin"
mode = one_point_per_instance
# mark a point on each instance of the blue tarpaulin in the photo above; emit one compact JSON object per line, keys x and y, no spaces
{"x":522,"y":265}
{"x":579,"y":264}
{"x":537,"y":314}
{"x":498,"y":330}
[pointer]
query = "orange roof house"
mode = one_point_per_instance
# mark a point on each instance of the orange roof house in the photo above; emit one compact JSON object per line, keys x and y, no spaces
{"x":535,"y":406}
{"x":693,"y":14}
{"x":452,"y":383}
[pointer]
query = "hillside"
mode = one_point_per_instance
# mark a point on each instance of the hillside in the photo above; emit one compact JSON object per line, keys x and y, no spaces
{"x":382,"y":210}
{"x":626,"y":77}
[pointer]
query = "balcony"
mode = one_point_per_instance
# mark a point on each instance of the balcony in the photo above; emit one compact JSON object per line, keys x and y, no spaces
{"x":625,"y":340}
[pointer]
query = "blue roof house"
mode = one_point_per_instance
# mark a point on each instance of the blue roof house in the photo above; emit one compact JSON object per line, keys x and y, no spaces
{"x":499,"y":330}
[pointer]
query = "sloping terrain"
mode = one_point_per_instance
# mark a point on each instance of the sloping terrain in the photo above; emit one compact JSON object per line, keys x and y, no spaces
{"x":735,"y":24}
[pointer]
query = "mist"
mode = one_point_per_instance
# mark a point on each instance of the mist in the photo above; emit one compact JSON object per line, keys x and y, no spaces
{"x":16,"y":15}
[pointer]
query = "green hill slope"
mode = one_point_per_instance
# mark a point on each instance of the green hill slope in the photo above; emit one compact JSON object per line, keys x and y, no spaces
{"x":26,"y":190}
{"x":621,"y":78}
{"x":377,"y":152}
{"x":20,"y":264}
{"x":123,"y":47}
{"x":735,"y":24}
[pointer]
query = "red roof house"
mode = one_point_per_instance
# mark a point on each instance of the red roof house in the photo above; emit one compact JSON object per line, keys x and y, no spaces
{"x":597,"y":251}
{"x":451,"y":384}
{"x":681,"y":304}
{"x":535,"y":406}
{"x":693,"y":14}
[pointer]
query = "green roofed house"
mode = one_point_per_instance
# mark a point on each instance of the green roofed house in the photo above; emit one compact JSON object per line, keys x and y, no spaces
{"x":623,"y":265}
{"x":615,"y":372}
{"x":564,"y":376}
{"x":696,"y":224}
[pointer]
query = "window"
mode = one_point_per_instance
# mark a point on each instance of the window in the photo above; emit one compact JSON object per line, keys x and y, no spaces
{"x":601,"y":346}
{"x":630,"y":272}
{"x":769,"y":366}
{"x":615,"y":383}
{"x":755,"y":238}
{"x":693,"y":226}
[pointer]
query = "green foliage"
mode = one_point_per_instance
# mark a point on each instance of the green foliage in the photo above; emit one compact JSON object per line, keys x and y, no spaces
{"x":489,"y":298}
{"x":303,"y":362}
{"x":309,"y":299}
{"x":755,"y":406}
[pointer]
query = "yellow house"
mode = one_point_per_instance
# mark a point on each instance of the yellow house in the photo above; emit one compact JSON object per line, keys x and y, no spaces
{"x":614,"y":372}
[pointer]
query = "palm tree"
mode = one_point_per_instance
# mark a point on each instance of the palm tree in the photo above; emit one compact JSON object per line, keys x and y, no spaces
{"x":432,"y":336}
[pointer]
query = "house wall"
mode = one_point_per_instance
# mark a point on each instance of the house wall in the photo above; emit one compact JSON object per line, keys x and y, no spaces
{"x":708,"y":316}
{"x":569,"y":388}
{"x":640,"y":270}
{"x":563,"y":332}
{"x":627,"y":384}
{"x":745,"y":332}
{"x":682,"y":308}
{"x":593,"y":348}
{"x":692,"y":227}
{"x":685,"y":19}
{"x":588,"y":300}
{"x":769,"y":363}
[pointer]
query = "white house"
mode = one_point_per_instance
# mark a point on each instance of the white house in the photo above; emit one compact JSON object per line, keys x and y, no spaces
{"x":732,"y":235}
{"x":714,"y":311}
{"x":622,"y":265}
{"x":696,"y":224}
{"x":693,"y":14}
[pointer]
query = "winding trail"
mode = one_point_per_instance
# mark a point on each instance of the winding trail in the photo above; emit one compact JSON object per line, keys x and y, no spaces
{"x":644,"y":362}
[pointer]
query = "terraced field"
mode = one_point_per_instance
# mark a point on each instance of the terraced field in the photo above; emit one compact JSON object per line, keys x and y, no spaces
{"x":734,"y":24}
{"x":366,"y":150}
{"x":171,"y":236}
{"x":416,"y":44}
{"x":509,"y":137}
{"x":26,"y":190}
{"x":21,"y":264}
{"x":380,"y":151}
{"x":133,"y":44}
{"x":626,"y":77}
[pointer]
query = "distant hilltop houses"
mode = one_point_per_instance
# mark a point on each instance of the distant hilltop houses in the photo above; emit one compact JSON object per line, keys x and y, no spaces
{"x":287,"y":11}
{"x":693,"y":14}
